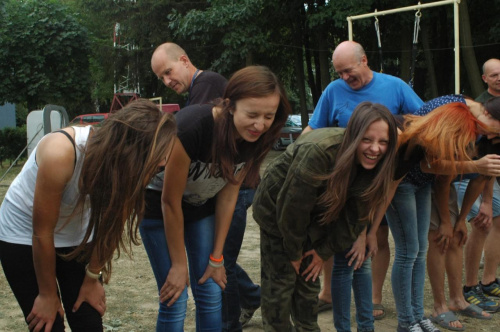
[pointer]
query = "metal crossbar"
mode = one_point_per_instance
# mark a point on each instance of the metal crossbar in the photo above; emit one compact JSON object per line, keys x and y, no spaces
{"x":418,"y":7}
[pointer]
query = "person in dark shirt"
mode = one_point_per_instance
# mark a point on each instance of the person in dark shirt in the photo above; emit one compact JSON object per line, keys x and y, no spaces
{"x":172,"y":66}
{"x":242,"y":296}
{"x":191,"y":203}
{"x":491,"y":76}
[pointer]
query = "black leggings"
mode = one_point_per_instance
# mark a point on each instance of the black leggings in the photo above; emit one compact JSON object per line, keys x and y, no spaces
{"x":17,"y":263}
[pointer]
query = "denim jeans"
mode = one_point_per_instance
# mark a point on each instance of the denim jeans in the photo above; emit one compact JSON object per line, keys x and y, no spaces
{"x":240,"y":290}
{"x":409,"y":219}
{"x":198,"y":237}
{"x":343,"y":278}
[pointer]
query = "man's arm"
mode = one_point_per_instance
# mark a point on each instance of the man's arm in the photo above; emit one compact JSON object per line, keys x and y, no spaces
{"x":207,"y":87}
{"x":307,"y":129}
{"x":322,"y":111}
{"x":411,"y":101}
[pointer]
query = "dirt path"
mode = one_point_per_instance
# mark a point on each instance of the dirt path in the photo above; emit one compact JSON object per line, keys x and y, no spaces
{"x":132,"y":298}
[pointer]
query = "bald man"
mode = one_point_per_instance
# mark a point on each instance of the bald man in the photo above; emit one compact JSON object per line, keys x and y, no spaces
{"x":172,"y":66}
{"x":491,"y":76}
{"x":359,"y":83}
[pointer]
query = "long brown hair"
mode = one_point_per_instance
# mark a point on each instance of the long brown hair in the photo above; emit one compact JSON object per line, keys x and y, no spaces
{"x":446,"y":133}
{"x":249,"y":82}
{"x":344,"y":171}
{"x":121,"y":157}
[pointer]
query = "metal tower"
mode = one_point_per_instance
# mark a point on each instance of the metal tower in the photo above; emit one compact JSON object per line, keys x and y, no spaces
{"x":126,"y":85}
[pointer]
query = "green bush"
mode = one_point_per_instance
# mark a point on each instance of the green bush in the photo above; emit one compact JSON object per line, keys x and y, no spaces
{"x":12,"y":142}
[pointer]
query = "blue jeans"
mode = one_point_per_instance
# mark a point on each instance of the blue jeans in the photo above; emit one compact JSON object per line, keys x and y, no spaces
{"x":409,"y":219}
{"x":198,"y":237}
{"x":343,"y":278}
{"x":240,"y":290}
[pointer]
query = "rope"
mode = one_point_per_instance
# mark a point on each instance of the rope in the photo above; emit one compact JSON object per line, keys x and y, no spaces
{"x":377,"y":30}
{"x":416,"y":30}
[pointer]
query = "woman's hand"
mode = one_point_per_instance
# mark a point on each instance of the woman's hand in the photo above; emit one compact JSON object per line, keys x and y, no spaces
{"x":488,"y":165}
{"x":177,"y":280}
{"x":93,"y":293}
{"x":218,"y":274}
{"x":314,"y":268}
{"x":444,"y":236}
{"x":460,"y":232}
{"x":44,"y":312}
{"x":484,"y":218}
{"x":358,"y":251}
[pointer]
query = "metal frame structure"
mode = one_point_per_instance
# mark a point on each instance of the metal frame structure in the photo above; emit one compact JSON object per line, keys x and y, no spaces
{"x":418,"y":7}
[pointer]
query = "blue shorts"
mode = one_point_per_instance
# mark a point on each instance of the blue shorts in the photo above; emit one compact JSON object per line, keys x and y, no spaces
{"x":461,"y":186}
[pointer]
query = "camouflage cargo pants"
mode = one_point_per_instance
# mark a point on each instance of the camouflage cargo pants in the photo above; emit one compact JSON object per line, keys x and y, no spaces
{"x":283,"y":293}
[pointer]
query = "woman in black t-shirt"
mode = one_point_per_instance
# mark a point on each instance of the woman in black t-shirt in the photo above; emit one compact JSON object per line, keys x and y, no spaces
{"x":217,"y":147}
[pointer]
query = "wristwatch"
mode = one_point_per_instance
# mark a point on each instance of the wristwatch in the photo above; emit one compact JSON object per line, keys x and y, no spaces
{"x":91,"y":274}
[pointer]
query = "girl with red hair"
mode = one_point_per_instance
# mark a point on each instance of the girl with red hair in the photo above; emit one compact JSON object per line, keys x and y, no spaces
{"x":439,"y":142}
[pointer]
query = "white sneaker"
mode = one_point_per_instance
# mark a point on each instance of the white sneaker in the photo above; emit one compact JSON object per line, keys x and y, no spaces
{"x":427,"y":326}
{"x":410,"y":328}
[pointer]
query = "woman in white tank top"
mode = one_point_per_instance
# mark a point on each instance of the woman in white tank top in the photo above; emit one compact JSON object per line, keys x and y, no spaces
{"x":64,"y":214}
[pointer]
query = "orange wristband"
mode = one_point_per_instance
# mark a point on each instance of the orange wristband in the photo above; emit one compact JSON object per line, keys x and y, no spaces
{"x":216,"y":260}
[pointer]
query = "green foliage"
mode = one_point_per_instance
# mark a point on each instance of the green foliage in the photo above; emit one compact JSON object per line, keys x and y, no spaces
{"x":21,"y":114}
{"x":43,"y":55}
{"x":12,"y":142}
{"x":235,"y":26}
{"x":143,"y":26}
{"x":294,"y":38}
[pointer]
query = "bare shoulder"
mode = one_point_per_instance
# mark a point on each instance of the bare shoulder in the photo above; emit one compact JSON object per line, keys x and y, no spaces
{"x":55,"y":156}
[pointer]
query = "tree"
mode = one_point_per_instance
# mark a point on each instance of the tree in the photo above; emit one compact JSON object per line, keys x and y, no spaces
{"x":43,"y":55}
{"x":469,"y":56}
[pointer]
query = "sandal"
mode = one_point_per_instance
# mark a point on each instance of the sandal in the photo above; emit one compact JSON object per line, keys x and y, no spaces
{"x":379,"y":306}
{"x":445,"y":319}
{"x":473,"y":311}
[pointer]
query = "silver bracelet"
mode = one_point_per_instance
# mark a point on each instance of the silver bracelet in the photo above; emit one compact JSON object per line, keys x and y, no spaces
{"x":215,"y":265}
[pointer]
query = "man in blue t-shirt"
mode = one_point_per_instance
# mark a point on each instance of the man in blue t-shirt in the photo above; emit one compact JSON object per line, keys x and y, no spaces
{"x":358,"y":83}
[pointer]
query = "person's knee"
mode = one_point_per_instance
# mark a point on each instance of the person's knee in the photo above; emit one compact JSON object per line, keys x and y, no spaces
{"x":496,"y":224}
{"x":454,"y":245}
{"x":208,"y":296}
{"x":478,"y":231}
{"x":383,"y":243}
{"x":86,"y":318}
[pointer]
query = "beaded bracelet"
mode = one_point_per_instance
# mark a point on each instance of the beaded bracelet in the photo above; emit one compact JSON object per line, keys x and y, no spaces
{"x":212,"y":264}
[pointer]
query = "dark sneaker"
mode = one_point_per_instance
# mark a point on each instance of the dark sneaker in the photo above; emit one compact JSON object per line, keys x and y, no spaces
{"x":477,"y":297}
{"x":411,"y":328}
{"x":427,"y":326}
{"x":246,"y":315}
{"x":492,"y":290}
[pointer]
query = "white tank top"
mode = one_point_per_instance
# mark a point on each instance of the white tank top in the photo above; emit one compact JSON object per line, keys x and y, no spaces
{"x":16,"y":223}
